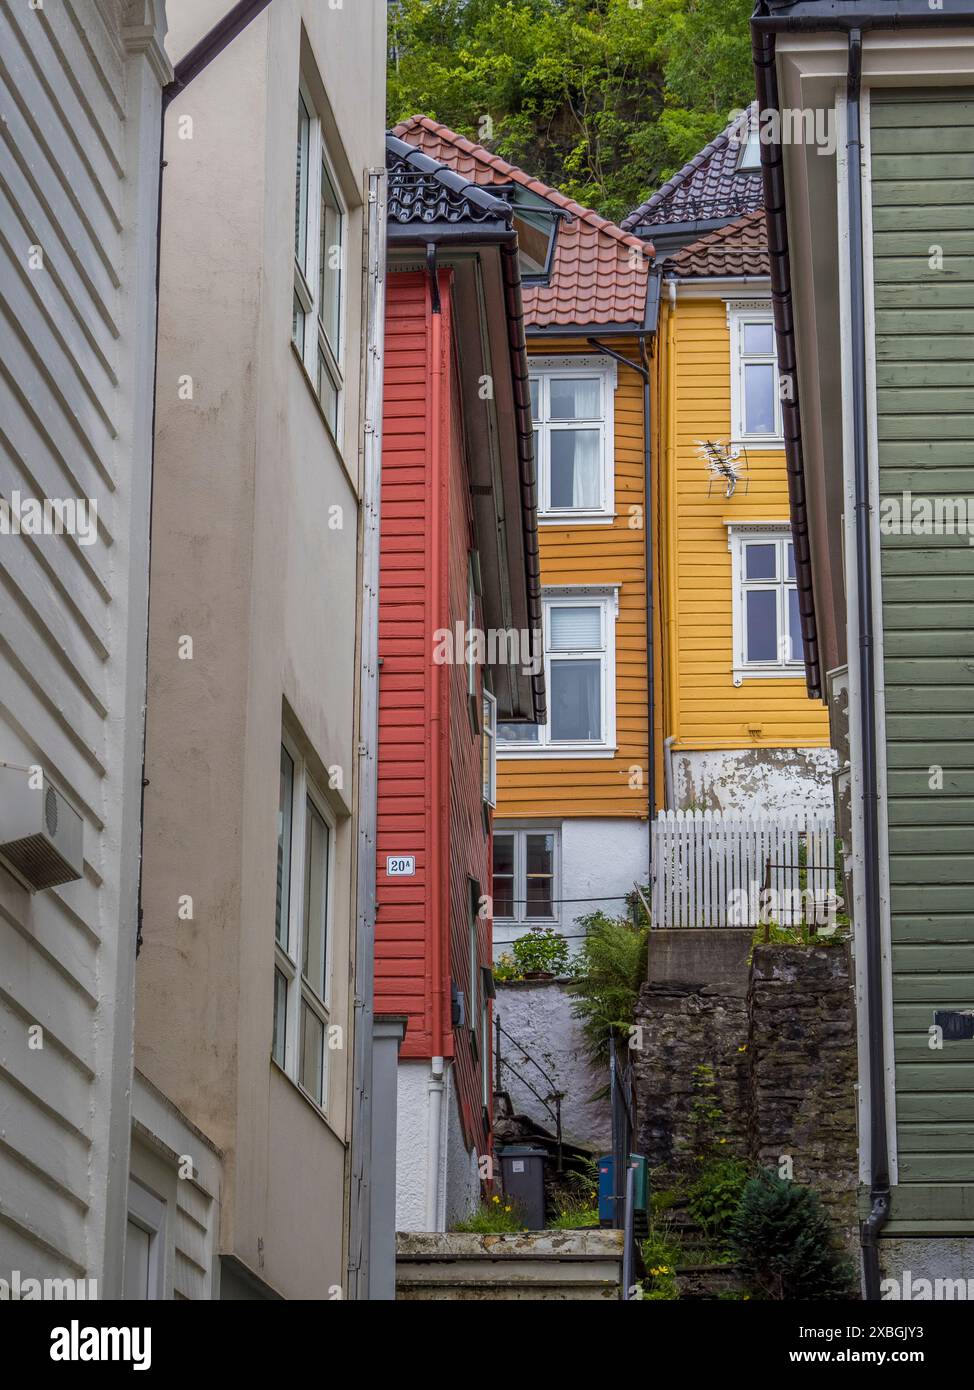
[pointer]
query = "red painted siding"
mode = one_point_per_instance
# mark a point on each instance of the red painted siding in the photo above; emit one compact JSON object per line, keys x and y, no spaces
{"x":469,"y":837}
{"x":430,"y":775}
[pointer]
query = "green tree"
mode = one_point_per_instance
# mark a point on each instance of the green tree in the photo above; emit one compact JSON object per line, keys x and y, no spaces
{"x":602,"y":99}
{"x":783,"y":1244}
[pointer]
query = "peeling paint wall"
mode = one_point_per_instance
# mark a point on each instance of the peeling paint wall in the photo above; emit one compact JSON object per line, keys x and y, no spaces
{"x":539,"y":1015}
{"x":746,"y":780}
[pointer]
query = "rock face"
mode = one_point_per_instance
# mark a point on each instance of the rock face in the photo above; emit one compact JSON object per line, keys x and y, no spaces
{"x":779,"y":1036}
{"x":802,"y":1068}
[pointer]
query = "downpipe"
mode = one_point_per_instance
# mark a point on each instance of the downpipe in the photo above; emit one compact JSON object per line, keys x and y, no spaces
{"x":435,"y":1089}
{"x":879,"y":1187}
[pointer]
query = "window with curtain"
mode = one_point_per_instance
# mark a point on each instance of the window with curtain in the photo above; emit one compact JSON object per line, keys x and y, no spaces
{"x":572,"y":408}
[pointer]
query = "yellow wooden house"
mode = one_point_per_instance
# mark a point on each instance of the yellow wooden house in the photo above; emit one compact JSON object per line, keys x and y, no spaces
{"x":739,"y":732}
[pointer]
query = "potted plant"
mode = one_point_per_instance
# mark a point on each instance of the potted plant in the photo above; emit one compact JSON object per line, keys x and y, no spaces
{"x":541,"y":954}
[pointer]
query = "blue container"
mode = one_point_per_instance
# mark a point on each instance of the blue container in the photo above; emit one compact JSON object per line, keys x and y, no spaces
{"x":606,"y":1187}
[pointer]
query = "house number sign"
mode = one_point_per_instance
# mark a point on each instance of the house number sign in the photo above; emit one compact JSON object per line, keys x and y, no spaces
{"x":400,"y":865}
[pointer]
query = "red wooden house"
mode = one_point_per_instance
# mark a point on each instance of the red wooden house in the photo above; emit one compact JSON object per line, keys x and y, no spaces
{"x":459,"y":556}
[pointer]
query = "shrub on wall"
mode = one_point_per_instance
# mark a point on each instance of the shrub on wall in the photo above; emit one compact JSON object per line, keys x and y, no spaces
{"x":609,"y":970}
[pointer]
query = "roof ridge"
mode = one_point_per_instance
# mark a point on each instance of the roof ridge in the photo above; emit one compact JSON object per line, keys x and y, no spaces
{"x":456,"y":183}
{"x":496,"y":161}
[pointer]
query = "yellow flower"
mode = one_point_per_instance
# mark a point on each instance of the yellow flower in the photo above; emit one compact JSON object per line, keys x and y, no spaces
{"x":743,"y":1049}
{"x":721,"y":1141}
{"x":507,"y":1209}
{"x":495,"y":1199}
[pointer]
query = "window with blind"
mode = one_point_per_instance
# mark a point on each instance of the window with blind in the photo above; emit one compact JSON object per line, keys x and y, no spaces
{"x":755,"y":400}
{"x":579,"y":632}
{"x":524,"y":876}
{"x":572,"y":406}
{"x":767,"y":625}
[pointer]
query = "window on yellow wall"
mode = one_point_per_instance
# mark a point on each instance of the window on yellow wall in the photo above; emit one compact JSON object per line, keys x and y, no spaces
{"x":755,"y":401}
{"x":767,"y":626}
{"x":579,"y":639}
{"x":572,"y":406}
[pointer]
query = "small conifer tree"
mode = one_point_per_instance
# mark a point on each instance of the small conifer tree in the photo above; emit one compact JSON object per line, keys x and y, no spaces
{"x":783,"y":1244}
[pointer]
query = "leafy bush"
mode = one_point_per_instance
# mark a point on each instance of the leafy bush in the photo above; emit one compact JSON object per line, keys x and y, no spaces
{"x":497,"y":1216}
{"x":661,"y":1253}
{"x":541,"y":949}
{"x":609,"y":970}
{"x":715,"y":1196}
{"x":505,"y":969}
{"x":783,"y":1244}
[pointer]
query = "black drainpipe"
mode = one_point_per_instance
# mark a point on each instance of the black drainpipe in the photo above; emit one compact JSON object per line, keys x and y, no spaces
{"x":879,"y":1184}
{"x":195,"y":61}
{"x":642,"y":367}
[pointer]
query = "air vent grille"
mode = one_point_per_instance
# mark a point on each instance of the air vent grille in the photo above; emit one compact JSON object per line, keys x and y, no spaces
{"x":39,"y":862}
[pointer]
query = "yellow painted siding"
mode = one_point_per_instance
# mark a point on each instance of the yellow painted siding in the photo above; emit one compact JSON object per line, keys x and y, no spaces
{"x":703,"y":707}
{"x":611,"y":554}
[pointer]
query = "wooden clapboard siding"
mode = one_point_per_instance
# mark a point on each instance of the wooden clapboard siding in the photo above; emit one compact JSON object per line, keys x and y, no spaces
{"x":430,"y":791}
{"x":407,"y":616}
{"x":924,"y":331}
{"x":78,"y":184}
{"x":703,"y":707}
{"x":552,"y":786}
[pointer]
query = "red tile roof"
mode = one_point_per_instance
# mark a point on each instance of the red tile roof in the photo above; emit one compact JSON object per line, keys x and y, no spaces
{"x":740,"y":248}
{"x":600,"y":272}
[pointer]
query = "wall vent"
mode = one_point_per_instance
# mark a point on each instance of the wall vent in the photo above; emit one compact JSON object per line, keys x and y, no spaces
{"x":41,"y":834}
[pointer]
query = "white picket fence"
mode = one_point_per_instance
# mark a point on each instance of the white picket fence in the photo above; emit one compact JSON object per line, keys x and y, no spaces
{"x":711,"y":870}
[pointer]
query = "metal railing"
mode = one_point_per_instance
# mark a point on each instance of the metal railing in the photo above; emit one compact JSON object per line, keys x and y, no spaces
{"x":551,"y":1102}
{"x":622,"y":1093}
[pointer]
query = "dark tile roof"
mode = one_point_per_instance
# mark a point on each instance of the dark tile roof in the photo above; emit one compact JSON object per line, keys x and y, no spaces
{"x":706,"y":188}
{"x":599,"y":274}
{"x":740,"y":248}
{"x":423,"y":190}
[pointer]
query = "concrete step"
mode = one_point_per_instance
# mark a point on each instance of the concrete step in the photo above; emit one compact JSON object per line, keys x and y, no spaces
{"x":537,"y":1265}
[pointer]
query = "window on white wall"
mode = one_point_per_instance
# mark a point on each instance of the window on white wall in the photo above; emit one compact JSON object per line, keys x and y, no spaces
{"x":305,"y":847}
{"x":525,"y":871}
{"x":767,"y":626}
{"x":755,"y":402}
{"x":572,"y":405}
{"x":319,"y":256}
{"x":579,"y":634}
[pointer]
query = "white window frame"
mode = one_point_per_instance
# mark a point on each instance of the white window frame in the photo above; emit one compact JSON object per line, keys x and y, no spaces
{"x":312,"y":337}
{"x":148,"y":1212}
{"x":489,"y":736}
{"x":543,"y":370}
{"x":575,"y":596}
{"x":521,"y":917}
{"x":739,"y":315}
{"x":289,"y":960}
{"x":738,"y":536}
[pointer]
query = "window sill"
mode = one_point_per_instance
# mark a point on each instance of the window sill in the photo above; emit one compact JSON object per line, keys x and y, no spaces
{"x":559,"y":750}
{"x":759,"y":441}
{"x":567,"y":519}
{"x":756,"y":673}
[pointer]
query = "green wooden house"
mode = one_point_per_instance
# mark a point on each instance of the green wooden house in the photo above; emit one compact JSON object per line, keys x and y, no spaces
{"x":868,"y":161}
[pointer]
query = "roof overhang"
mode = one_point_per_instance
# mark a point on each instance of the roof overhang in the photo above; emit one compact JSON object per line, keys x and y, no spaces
{"x":801,"y":64}
{"x":499,"y":442}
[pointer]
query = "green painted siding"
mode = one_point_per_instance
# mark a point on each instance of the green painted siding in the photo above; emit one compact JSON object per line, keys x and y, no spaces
{"x":923,"y":198}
